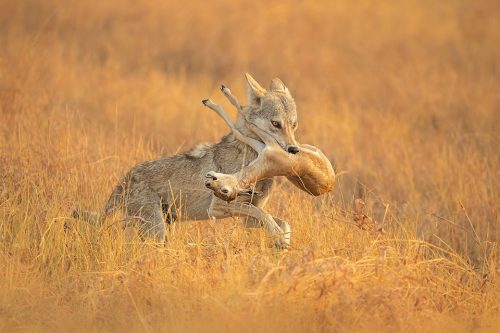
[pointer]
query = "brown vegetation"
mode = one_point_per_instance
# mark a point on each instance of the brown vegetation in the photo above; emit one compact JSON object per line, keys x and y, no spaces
{"x":404,"y":96}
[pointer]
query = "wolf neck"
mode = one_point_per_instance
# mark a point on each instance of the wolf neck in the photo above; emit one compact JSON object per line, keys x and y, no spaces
{"x":241,"y":125}
{"x":239,"y":148}
{"x":230,"y":141}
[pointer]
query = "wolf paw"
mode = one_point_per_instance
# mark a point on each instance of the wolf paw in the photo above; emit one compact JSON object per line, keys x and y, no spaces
{"x":282,"y":243}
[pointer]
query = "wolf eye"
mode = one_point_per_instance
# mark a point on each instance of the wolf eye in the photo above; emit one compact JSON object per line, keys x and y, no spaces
{"x":276,"y":124}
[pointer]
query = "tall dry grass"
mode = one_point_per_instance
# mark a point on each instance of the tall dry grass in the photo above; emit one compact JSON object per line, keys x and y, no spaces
{"x":403,"y":96}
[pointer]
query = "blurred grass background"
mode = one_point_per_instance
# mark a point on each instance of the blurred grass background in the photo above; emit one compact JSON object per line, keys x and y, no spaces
{"x":403,"y":96}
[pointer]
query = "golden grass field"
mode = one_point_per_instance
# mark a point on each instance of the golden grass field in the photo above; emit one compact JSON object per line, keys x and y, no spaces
{"x":403,"y":96}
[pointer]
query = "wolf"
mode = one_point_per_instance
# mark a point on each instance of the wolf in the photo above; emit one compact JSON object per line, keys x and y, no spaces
{"x":156,"y":190}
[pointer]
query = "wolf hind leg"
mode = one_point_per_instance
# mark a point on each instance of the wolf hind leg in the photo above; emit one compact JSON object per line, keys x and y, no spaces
{"x":148,"y":213}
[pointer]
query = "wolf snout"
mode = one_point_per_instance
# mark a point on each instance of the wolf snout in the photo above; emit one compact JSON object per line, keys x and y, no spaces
{"x":292,"y":149}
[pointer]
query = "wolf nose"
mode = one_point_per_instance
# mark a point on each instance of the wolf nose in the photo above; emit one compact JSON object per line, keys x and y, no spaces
{"x":292,"y":149}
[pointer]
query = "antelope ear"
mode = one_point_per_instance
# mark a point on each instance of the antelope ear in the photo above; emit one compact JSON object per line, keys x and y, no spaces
{"x":278,"y":85}
{"x":254,"y":90}
{"x":249,"y":192}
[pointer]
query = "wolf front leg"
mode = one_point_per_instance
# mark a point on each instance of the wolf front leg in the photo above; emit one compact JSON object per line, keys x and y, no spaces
{"x":222,"y":209}
{"x":250,"y":222}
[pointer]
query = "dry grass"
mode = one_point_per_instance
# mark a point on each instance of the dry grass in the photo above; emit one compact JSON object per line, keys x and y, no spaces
{"x":404,"y":96}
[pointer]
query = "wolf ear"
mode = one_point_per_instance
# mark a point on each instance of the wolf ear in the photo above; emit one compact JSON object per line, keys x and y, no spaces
{"x":278,"y":85}
{"x":254,"y":90}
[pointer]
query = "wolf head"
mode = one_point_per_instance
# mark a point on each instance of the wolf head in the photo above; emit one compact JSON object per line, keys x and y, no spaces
{"x":273,"y":111}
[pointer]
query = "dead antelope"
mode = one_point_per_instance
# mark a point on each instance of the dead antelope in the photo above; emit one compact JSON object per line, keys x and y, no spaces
{"x":305,"y":163}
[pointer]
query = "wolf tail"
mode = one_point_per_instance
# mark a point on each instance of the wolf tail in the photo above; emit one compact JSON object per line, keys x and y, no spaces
{"x":114,"y":202}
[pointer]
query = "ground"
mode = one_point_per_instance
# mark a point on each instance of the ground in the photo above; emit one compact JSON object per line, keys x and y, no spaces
{"x":403,"y":97}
